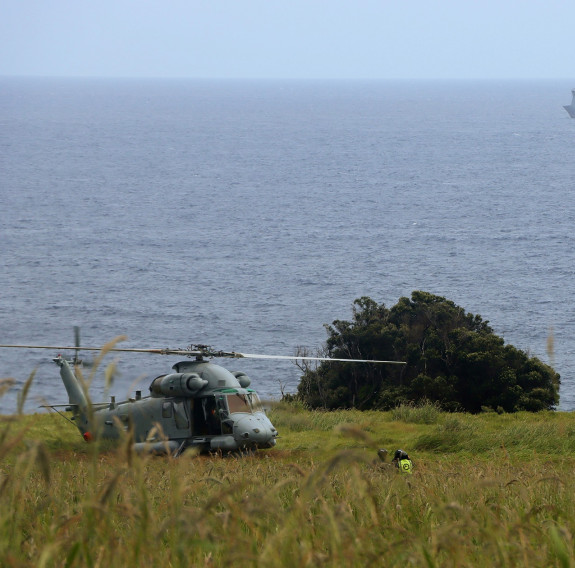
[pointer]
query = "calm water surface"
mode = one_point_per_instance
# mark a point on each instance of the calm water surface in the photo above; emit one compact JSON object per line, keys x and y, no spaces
{"x":246,"y":215}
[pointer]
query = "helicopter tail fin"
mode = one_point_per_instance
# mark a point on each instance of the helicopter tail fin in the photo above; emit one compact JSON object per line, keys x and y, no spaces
{"x":76,"y":396}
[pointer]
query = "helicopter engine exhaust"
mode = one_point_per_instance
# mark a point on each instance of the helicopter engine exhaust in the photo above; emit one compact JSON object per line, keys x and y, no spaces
{"x":177,"y":384}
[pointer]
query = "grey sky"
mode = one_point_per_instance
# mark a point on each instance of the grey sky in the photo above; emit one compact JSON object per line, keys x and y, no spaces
{"x":502,"y":39}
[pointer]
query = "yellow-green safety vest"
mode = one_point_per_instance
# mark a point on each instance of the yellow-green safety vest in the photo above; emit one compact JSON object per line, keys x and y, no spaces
{"x":405,"y":466}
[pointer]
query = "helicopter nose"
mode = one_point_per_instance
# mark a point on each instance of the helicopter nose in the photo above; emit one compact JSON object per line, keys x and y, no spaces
{"x":251,"y":430}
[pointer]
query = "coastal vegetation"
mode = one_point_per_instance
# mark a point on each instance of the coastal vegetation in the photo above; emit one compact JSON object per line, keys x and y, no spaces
{"x":453,"y":358}
{"x":487,"y":489}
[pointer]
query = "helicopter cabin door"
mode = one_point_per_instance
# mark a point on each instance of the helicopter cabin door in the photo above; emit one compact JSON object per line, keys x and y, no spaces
{"x":206,"y":417}
{"x":175,"y":422}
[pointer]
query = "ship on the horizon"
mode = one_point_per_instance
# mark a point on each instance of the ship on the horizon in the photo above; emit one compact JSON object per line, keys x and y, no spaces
{"x":571,"y":108}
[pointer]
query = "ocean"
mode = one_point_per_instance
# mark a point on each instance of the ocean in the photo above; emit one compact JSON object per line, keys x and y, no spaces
{"x":247,"y":214}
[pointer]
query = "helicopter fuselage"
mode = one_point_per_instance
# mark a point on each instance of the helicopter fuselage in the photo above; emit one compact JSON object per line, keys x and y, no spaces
{"x":200,"y":405}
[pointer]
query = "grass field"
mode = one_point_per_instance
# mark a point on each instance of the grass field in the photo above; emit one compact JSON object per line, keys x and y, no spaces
{"x":487,"y":490}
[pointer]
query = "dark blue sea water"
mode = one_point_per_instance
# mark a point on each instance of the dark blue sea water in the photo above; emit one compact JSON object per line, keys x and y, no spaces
{"x":247,"y":214}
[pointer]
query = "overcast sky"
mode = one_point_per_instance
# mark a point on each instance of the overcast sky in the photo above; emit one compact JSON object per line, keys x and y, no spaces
{"x":501,"y":39}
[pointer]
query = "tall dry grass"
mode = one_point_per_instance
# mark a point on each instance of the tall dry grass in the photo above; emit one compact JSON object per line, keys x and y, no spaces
{"x":487,"y":490}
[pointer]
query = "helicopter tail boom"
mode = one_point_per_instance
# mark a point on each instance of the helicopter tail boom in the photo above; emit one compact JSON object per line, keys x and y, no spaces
{"x":76,"y":396}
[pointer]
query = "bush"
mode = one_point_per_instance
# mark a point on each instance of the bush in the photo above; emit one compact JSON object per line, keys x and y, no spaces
{"x":453,"y":359}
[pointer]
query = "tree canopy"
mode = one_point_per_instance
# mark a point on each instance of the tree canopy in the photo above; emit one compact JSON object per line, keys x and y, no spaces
{"x":453,"y":358}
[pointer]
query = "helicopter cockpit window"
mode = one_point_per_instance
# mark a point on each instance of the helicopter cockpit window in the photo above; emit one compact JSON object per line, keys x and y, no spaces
{"x":249,"y":402}
{"x":239,"y":403}
{"x":256,"y":402}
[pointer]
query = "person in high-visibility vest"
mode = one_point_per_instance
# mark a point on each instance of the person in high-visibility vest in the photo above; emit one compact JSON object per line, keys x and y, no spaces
{"x":402,"y":462}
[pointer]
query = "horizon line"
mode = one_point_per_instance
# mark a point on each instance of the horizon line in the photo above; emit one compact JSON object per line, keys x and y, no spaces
{"x":274,"y":79}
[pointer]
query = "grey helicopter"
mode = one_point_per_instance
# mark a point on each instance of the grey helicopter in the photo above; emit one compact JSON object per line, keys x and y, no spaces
{"x":198,"y":405}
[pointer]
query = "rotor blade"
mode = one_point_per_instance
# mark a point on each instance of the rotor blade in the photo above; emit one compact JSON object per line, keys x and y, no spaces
{"x":204,"y":353}
{"x":296,"y":358}
{"x":126,"y":350}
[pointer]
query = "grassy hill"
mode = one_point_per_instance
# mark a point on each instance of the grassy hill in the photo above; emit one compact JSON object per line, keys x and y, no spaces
{"x":487,"y":490}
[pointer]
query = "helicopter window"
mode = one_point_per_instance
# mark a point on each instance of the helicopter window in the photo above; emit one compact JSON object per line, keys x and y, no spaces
{"x":167,"y":410}
{"x":256,"y":402}
{"x":239,"y":403}
{"x":180,"y":415}
{"x":222,"y":406}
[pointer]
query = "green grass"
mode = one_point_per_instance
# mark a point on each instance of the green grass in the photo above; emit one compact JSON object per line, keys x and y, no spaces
{"x":487,"y":490}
